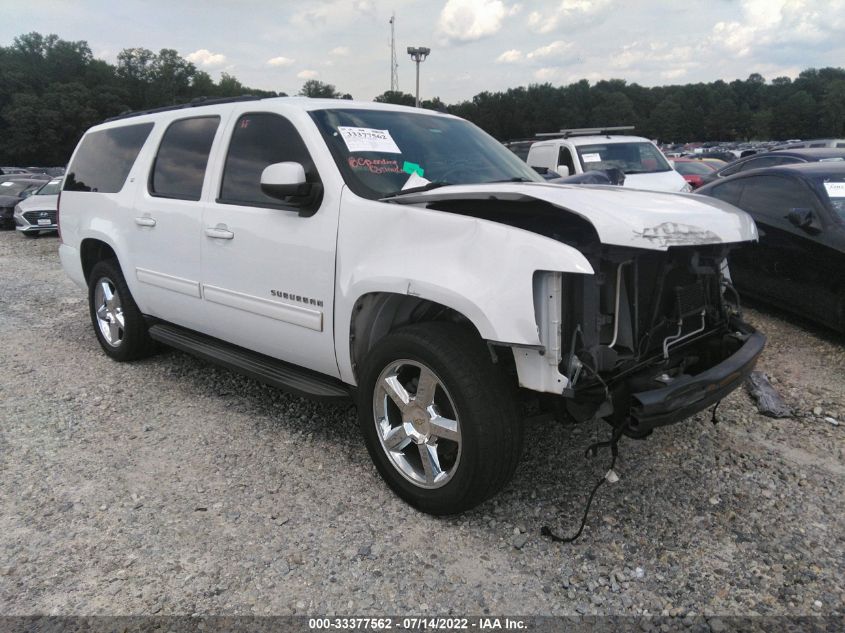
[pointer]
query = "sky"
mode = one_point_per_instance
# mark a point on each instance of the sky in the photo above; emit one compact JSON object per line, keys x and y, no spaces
{"x":476,"y":45}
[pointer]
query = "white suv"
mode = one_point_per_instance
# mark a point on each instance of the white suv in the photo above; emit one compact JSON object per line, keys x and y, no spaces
{"x":571,"y":152}
{"x":405,"y":259}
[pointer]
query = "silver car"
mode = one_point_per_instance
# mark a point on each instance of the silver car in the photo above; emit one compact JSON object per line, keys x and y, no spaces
{"x":37,"y":213}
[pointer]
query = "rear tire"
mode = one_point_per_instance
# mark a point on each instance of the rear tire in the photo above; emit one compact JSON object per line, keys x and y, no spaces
{"x":118,"y":323}
{"x":458,"y":442}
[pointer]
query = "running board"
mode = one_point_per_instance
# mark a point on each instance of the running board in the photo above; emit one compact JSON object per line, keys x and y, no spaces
{"x":270,"y":371}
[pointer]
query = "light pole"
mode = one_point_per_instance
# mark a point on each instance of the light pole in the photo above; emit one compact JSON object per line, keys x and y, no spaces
{"x":418,"y":54}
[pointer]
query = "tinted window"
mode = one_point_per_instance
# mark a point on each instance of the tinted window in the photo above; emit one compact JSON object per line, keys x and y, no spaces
{"x":729,"y":191}
{"x":259,"y":140}
{"x":773,"y":197}
{"x":179,"y":167}
{"x":105,"y":158}
{"x":768,"y":161}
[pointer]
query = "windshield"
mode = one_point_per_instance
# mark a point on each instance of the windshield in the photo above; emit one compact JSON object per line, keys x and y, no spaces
{"x":834,"y":187}
{"x":631,"y":158}
{"x":381,"y":152}
{"x":51,"y":188}
{"x":693,"y":168}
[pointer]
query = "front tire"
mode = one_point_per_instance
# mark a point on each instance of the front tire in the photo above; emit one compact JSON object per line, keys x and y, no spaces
{"x":118,"y":323}
{"x":438,"y":417}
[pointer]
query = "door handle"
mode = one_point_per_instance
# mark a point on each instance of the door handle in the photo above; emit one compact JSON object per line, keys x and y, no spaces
{"x":145,"y":221}
{"x":219,"y":232}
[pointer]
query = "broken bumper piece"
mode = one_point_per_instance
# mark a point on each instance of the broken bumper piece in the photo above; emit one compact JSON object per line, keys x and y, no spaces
{"x":689,"y":394}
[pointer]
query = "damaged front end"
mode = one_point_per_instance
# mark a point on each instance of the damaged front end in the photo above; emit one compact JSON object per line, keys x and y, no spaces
{"x":653,"y":337}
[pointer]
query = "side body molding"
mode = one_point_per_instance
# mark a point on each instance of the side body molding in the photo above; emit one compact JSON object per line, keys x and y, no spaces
{"x":482,"y":269}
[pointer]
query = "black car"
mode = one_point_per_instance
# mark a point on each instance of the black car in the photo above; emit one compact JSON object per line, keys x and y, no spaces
{"x":799,"y":262}
{"x":12,"y":192}
{"x":778,"y":157}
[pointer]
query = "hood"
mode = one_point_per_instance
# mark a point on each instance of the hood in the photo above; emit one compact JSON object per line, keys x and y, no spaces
{"x":621,"y":216}
{"x":39,"y":203}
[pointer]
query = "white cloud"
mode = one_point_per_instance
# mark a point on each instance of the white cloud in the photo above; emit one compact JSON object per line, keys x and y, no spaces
{"x":307,"y":74}
{"x":471,"y":20}
{"x":557,"y":48}
{"x":546,"y":74}
{"x":206,"y":59}
{"x":340,"y":51}
{"x":509,"y":57}
{"x":280,"y":61}
{"x":569,"y":14}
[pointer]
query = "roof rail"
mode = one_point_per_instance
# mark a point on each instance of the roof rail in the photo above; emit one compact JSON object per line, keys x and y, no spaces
{"x":193,"y":103}
{"x":588,"y":131}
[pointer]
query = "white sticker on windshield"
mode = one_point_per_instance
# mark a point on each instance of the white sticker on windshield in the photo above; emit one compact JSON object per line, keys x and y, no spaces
{"x":414,"y":181}
{"x":835,"y":189}
{"x":6,"y":184}
{"x":364,"y":139}
{"x":591,"y":158}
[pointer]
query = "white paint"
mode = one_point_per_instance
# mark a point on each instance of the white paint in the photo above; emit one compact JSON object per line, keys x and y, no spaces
{"x":621,"y":216}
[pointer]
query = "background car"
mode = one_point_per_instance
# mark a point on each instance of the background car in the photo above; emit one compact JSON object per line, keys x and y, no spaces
{"x":779,"y":157}
{"x":37,"y":213}
{"x":799,"y":262}
{"x":693,"y":170}
{"x":11,"y":193}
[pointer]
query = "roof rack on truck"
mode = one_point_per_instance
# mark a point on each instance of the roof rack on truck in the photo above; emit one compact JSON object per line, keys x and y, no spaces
{"x":193,"y":103}
{"x":588,"y":131}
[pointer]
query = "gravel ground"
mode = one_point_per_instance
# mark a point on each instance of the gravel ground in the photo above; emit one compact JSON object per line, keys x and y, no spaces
{"x":169,"y":486}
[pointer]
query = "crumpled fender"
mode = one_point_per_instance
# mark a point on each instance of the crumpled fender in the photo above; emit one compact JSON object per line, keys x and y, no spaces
{"x":480,"y":268}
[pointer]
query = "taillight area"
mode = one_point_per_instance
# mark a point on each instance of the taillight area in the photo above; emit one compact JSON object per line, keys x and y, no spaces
{"x":58,"y":216}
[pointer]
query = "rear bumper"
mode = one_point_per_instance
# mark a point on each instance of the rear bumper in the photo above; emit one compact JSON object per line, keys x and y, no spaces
{"x":688,"y":395}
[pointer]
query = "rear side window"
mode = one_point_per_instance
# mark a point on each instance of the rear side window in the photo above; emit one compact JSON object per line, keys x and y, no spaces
{"x":105,"y":158}
{"x":259,"y":140}
{"x":179,"y":168}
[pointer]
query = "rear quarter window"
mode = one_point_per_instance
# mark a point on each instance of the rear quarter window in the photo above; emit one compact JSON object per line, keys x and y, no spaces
{"x":105,"y":158}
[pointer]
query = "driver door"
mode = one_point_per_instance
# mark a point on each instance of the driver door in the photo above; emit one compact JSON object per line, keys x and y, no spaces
{"x":267,"y":269}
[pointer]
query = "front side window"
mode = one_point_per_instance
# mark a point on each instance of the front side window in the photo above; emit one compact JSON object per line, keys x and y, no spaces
{"x":382,"y":152}
{"x":564,"y":157}
{"x":105,"y":158}
{"x":773,"y":197}
{"x":258,"y":140}
{"x":631,"y":158}
{"x":179,"y":167}
{"x":729,"y":191}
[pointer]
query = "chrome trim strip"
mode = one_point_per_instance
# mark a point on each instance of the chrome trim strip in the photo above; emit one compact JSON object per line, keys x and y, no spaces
{"x":293,"y":314}
{"x":169,"y":282}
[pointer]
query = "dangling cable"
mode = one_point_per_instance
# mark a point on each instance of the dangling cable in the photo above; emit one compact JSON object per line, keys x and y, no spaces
{"x":613,"y":443}
{"x":713,"y":417}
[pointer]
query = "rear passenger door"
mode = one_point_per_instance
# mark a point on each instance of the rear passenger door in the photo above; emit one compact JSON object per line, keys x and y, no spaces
{"x":165,"y":232}
{"x":268,"y":269}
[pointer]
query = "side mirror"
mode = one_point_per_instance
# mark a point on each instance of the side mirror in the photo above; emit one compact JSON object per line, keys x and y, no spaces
{"x":563,"y":170}
{"x":284,"y":180}
{"x":803,"y":219}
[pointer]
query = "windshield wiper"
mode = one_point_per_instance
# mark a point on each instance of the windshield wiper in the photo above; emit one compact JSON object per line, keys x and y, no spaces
{"x":426,"y":187}
{"x":514,"y":179}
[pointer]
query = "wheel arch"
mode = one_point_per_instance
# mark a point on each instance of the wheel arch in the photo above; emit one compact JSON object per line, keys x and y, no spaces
{"x":377,"y":314}
{"x":93,"y":250}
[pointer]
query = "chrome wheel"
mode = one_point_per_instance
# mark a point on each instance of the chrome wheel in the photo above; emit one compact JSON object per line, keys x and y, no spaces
{"x":417,"y":423}
{"x":109,"y":311}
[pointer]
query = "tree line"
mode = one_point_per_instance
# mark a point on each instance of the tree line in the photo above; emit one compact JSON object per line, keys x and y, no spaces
{"x":52,"y":90}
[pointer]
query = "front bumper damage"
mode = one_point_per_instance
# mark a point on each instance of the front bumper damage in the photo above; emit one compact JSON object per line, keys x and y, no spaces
{"x":687,"y":394}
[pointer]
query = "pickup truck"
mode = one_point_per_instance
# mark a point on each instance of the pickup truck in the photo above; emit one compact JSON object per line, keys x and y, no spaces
{"x":406,"y":260}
